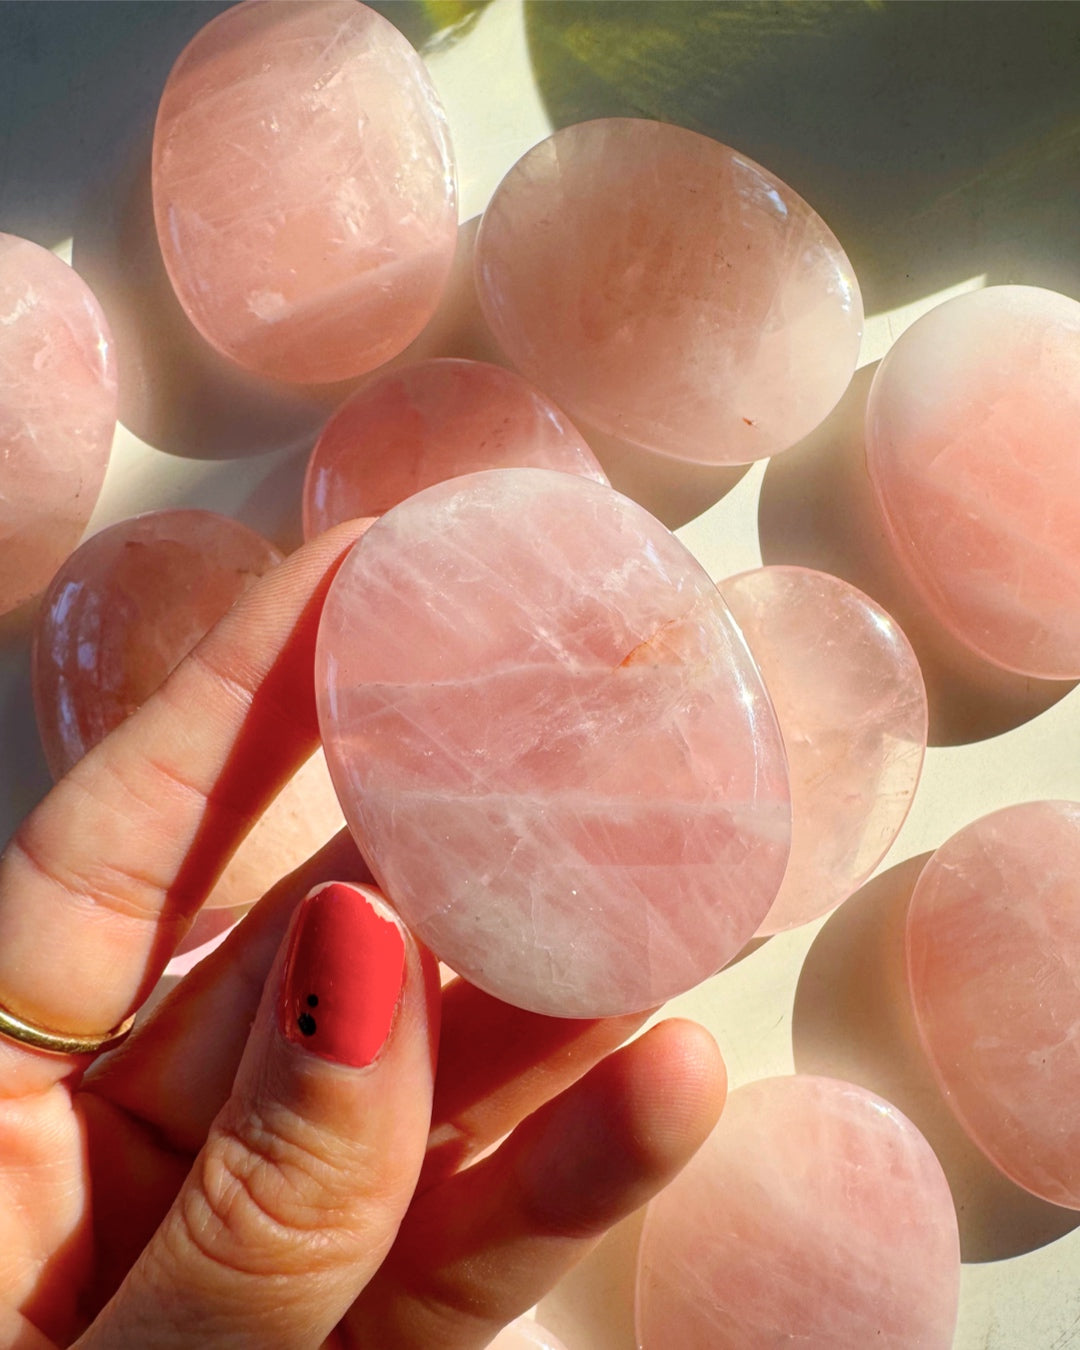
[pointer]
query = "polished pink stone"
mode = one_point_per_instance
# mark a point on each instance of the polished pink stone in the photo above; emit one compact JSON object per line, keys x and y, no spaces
{"x":993,"y":946}
{"x":57,"y":414}
{"x":973,"y":447}
{"x":304,"y":188}
{"x":525,"y":1334}
{"x":120,"y":614}
{"x":850,"y":700}
{"x":551,"y":743}
{"x":668,"y":291}
{"x":413,"y":427}
{"x":815,"y":1215}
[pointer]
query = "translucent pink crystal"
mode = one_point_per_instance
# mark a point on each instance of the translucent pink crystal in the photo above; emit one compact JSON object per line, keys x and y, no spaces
{"x":993,"y":939}
{"x":120,"y":614}
{"x":551,"y":742}
{"x":57,"y":414}
{"x":413,"y":427}
{"x":850,"y":700}
{"x":525,"y":1334}
{"x":668,"y":291}
{"x":815,"y":1215}
{"x":304,"y":188}
{"x":973,"y":447}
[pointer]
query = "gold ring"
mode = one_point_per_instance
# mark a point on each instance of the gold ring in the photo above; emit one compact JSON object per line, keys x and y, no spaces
{"x":60,"y":1042}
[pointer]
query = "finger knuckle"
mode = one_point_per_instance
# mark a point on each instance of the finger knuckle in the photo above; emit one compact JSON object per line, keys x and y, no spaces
{"x":265,"y":1200}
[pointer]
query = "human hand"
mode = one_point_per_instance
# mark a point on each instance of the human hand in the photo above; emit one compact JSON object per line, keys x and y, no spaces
{"x":223,"y":1179}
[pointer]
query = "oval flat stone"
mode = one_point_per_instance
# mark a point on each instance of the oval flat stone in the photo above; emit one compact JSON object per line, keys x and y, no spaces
{"x":669,"y":291}
{"x":851,"y":703}
{"x":993,"y":949}
{"x":304,"y":188}
{"x":815,"y":1214}
{"x":57,"y":414}
{"x":551,"y":743}
{"x":419,"y":425}
{"x":973,"y":448}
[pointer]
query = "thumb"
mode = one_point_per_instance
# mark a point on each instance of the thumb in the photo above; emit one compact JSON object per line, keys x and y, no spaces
{"x":310,"y":1166}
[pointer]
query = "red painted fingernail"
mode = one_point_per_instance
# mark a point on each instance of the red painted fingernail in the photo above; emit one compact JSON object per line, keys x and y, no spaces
{"x":343,"y":975}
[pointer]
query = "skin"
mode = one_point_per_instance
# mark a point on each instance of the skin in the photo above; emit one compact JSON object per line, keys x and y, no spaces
{"x":210,"y":1184}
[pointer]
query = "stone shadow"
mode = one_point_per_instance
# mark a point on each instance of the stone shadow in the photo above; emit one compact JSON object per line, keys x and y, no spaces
{"x":673,"y":491}
{"x":74,"y":79}
{"x":934,"y":139}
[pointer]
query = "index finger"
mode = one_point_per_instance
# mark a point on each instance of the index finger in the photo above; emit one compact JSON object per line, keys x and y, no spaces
{"x":102,"y":880}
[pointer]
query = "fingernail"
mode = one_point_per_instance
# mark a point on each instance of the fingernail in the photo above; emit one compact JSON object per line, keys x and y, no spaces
{"x":343,"y":975}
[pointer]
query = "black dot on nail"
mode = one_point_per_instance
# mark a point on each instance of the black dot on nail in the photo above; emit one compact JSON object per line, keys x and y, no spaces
{"x":313,"y":1000}
{"x":306,"y":1023}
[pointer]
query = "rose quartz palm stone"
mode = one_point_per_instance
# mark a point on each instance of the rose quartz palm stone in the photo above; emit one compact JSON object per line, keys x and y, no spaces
{"x":304,"y":188}
{"x":815,"y":1214}
{"x":551,"y":743}
{"x":668,"y":291}
{"x":973,"y":447}
{"x":993,"y":947}
{"x":57,"y":414}
{"x":525,"y":1334}
{"x":851,"y":703}
{"x":410,"y":428}
{"x":120,"y":615}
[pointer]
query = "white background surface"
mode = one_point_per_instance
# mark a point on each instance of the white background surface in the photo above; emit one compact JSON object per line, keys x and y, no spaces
{"x":827,"y":998}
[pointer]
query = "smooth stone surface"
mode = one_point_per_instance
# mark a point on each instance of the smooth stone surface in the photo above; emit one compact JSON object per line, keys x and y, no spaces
{"x":420,"y":425}
{"x":814,"y":1215}
{"x":304,"y":188}
{"x":120,"y":615}
{"x":57,"y":414}
{"x":551,"y":743}
{"x":525,"y":1334}
{"x":973,"y":448}
{"x":850,"y":700}
{"x":668,"y":291}
{"x":993,"y":948}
